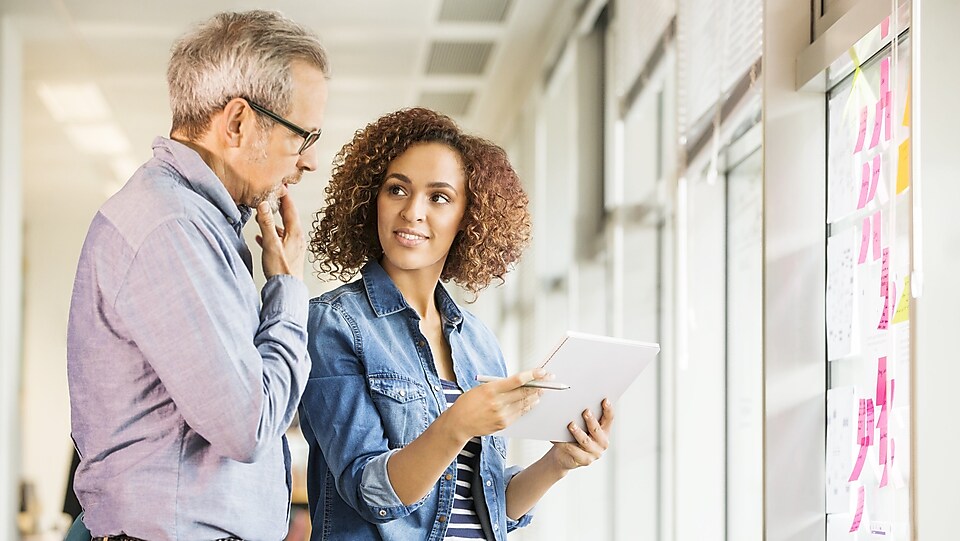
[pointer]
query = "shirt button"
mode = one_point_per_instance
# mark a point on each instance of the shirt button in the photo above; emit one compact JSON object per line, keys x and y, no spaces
{"x":383,"y":513}
{"x":496,"y":527}
{"x":442,"y":518}
{"x":403,"y":393}
{"x":448,"y":477}
{"x":436,"y":387}
{"x":489,"y":483}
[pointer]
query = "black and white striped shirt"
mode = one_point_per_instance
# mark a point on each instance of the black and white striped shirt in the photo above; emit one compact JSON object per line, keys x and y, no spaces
{"x":463,"y":523}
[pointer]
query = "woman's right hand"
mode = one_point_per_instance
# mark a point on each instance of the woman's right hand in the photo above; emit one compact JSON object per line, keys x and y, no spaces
{"x":493,"y":406}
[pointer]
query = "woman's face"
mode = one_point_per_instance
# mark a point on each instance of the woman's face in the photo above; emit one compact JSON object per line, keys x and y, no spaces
{"x":420,"y":208}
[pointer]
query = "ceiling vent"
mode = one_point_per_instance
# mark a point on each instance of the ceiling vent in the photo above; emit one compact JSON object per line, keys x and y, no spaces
{"x":458,"y":58}
{"x":474,"y":11}
{"x":449,"y":103}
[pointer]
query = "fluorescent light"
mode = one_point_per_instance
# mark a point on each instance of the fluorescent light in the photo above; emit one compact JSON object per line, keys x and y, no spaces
{"x":99,"y":138}
{"x":73,"y":102}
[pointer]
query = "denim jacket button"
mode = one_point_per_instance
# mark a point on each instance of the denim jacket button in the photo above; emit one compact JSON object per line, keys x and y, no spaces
{"x":402,"y":392}
{"x":448,"y":477}
{"x":436,"y":387}
{"x":442,"y":518}
{"x":383,"y":513}
{"x":489,"y":483}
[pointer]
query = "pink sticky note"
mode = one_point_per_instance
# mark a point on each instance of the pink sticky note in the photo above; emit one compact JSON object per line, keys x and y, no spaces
{"x":885,"y":272}
{"x":884,"y":319}
{"x":870,"y":438}
{"x":876,"y":235}
{"x":884,"y":76}
{"x":858,"y":467}
{"x":864,"y":241}
{"x":877,"y":123}
{"x":862,"y":423}
{"x":882,"y":427}
{"x":887,"y":116}
{"x":864,"y":189}
{"x":893,"y":451}
{"x":875,"y":178}
{"x":882,"y":381}
{"x":884,"y":27}
{"x":859,"y":515}
{"x":863,"y":130}
{"x":890,"y":402}
{"x":885,"y":479}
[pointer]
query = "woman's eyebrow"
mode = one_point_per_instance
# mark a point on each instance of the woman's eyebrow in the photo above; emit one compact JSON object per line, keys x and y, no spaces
{"x":404,"y":178}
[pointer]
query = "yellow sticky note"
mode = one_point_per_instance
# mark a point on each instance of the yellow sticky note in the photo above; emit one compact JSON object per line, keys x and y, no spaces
{"x":903,"y":305}
{"x":903,"y":166}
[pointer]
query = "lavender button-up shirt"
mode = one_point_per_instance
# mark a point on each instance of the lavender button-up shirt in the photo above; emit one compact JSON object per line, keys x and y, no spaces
{"x":183,"y":379}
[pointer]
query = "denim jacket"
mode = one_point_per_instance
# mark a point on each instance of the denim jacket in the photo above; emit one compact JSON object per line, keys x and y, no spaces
{"x":372,"y":390}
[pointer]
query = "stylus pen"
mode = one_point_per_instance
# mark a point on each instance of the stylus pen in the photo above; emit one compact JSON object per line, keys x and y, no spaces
{"x":534,"y":383}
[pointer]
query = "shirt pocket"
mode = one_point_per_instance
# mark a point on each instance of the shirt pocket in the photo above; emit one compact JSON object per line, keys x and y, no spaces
{"x":402,"y":403}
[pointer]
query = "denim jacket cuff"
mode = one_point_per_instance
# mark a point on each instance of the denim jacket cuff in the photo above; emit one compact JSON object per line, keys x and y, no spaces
{"x":378,"y":493}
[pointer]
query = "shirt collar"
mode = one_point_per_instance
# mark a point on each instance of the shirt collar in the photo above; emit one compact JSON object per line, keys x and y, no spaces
{"x":200,"y":178}
{"x":386,"y":299}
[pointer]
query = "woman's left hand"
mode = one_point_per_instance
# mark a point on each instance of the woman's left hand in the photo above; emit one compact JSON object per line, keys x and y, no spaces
{"x":589,"y":445}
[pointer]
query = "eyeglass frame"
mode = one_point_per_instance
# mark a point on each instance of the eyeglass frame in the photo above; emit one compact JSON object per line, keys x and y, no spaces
{"x":309,"y":137}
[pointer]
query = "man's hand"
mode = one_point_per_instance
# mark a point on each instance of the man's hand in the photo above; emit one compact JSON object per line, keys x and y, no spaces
{"x":284,"y":248}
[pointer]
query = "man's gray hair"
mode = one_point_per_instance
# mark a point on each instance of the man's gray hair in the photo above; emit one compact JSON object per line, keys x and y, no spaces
{"x":246,"y":55}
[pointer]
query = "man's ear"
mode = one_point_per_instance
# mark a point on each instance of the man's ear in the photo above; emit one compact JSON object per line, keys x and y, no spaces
{"x":236,"y":115}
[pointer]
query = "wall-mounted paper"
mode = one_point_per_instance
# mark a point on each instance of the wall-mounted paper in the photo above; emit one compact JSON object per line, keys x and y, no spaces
{"x":858,"y":515}
{"x":841,"y":286}
{"x":902,"y":312}
{"x":862,"y":134}
{"x":875,"y":233}
{"x":840,"y":413}
{"x":877,"y":123}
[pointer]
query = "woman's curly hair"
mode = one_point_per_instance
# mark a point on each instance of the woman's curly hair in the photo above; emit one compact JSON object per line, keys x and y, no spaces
{"x":496,"y":221}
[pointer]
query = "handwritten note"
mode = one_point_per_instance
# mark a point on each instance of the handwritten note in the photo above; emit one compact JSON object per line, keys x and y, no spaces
{"x":870,"y":433}
{"x":885,"y":272}
{"x":864,"y":241}
{"x":841,"y":286}
{"x":903,"y":166}
{"x":884,"y":75}
{"x":875,"y":178}
{"x":858,"y":466}
{"x":862,"y":423}
{"x":841,"y":409}
{"x":882,"y":382}
{"x":877,"y":123}
{"x":885,"y":316}
{"x":858,"y":516}
{"x":887,"y":115}
{"x":876,"y":235}
{"x":862,"y":136}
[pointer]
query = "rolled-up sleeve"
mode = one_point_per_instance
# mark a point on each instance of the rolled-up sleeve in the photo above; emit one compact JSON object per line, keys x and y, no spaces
{"x":526,"y":519}
{"x":339,"y":411}
{"x":236,"y":378}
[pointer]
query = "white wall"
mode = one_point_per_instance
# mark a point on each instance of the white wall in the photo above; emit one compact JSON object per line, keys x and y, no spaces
{"x":937,"y":372}
{"x":11,"y":271}
{"x":794,"y":342}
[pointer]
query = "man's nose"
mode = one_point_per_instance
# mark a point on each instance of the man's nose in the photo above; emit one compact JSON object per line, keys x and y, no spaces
{"x":308,"y":159}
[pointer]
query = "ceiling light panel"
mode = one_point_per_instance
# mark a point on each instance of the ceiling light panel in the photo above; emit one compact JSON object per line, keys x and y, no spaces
{"x":458,"y":58}
{"x":474,"y":11}
{"x":74,"y":102}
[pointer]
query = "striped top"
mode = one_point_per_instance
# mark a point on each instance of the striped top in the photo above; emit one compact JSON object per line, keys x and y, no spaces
{"x":464,"y":523}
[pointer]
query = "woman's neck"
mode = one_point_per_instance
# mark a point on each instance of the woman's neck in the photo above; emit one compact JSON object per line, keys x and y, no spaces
{"x":417,"y":287}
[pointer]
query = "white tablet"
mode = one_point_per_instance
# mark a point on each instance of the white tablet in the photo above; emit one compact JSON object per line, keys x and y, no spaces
{"x":595,"y":367}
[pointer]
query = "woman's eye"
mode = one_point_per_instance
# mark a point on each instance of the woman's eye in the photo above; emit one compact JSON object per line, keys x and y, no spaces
{"x":440,"y":198}
{"x":395,"y":190}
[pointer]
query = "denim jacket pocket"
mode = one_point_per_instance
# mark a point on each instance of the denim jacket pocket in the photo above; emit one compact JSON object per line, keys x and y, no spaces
{"x":402,"y":403}
{"x":501,"y":444}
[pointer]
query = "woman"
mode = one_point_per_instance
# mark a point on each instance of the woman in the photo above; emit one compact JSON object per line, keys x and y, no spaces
{"x":398,"y":427}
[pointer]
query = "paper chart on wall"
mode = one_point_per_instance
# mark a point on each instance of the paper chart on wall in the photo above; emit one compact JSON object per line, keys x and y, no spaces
{"x":841,"y":294}
{"x":841,"y":419}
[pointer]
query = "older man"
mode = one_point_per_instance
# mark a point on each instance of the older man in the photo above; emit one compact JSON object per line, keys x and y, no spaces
{"x":183,"y":377}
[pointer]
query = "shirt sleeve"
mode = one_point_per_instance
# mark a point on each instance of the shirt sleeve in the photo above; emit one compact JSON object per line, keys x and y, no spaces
{"x":527,"y":518}
{"x":235,"y":375}
{"x":339,"y":411}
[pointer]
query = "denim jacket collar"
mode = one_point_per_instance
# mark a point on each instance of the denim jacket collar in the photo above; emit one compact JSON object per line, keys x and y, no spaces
{"x":385,"y":298}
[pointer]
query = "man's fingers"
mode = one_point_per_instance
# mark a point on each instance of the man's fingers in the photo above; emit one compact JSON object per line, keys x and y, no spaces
{"x":268,"y":229}
{"x":289,"y":214}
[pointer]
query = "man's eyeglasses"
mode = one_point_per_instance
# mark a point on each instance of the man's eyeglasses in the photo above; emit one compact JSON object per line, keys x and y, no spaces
{"x":309,"y":137}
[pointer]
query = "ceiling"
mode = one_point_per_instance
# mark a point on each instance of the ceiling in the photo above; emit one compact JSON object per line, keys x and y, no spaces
{"x":469,"y":58}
